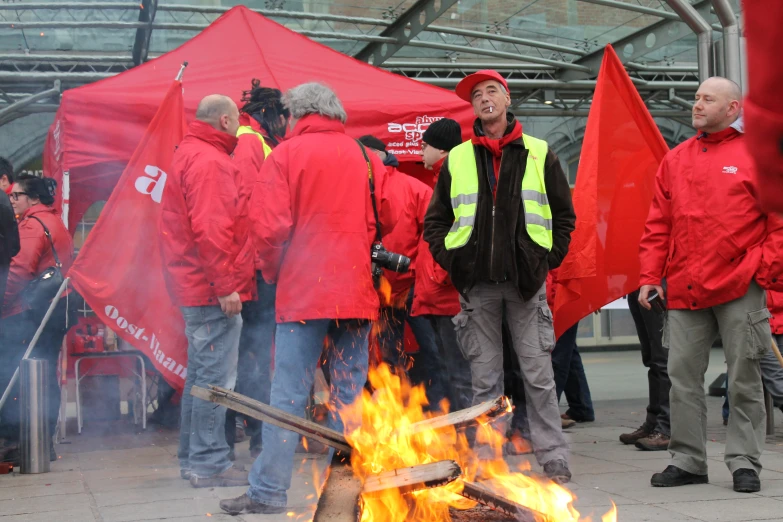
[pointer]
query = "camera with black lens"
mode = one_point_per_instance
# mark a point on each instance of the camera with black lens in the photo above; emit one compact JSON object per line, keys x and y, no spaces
{"x":382,"y":258}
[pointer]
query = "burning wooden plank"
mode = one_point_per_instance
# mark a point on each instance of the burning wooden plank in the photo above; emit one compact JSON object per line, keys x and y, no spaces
{"x":489,"y":498}
{"x":414,"y":478}
{"x":340,"y":499}
{"x":462,"y":418}
{"x":263,"y":412}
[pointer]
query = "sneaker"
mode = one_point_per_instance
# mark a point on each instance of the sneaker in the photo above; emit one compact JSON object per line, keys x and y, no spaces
{"x":673,"y":476}
{"x":655,"y":442}
{"x":645,"y":430}
{"x":567,"y":423}
{"x":557,"y":471}
{"x":233,"y":476}
{"x":255,"y":452}
{"x":244,"y":504}
{"x":184,"y":474}
{"x":746,"y":481}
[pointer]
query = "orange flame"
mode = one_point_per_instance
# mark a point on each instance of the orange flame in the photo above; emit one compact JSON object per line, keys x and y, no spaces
{"x":379,"y":429}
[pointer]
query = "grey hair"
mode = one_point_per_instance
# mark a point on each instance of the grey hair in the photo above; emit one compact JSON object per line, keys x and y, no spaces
{"x":314,"y":98}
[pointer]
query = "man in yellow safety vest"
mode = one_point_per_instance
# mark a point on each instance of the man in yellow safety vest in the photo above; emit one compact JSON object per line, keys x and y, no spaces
{"x":500,"y":218}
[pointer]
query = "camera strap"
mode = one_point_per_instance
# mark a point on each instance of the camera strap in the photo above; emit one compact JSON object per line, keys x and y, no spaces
{"x":372,"y":192}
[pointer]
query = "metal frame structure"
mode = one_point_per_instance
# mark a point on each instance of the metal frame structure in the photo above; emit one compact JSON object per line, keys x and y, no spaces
{"x":545,"y":78}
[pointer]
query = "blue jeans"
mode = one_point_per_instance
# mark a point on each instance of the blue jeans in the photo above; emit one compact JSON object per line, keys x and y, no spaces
{"x":254,"y":375}
{"x":460,"y":385}
{"x":298,"y":347}
{"x":570,"y":377}
{"x":428,"y":365}
{"x":213,"y":346}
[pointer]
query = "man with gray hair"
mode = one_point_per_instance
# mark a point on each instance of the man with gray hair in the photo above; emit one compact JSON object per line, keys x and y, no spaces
{"x":208,"y":263}
{"x":320,"y":190}
{"x":500,"y":218}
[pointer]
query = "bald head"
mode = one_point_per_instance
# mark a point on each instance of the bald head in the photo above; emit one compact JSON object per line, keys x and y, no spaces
{"x":717,"y":105}
{"x":219,"y":111}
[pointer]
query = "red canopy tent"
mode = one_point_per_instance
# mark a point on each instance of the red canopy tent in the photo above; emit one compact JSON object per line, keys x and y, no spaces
{"x":99,"y":125}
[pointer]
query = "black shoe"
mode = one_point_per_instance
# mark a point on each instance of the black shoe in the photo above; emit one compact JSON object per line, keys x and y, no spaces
{"x":244,"y":504}
{"x":746,"y":481}
{"x":231,"y":455}
{"x":557,"y":471}
{"x":673,"y":476}
{"x":641,"y":432}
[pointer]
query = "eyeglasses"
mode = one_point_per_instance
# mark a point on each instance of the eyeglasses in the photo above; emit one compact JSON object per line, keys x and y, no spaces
{"x":15,"y":195}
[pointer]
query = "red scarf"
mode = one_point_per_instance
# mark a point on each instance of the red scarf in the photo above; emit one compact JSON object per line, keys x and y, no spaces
{"x":495,"y":147}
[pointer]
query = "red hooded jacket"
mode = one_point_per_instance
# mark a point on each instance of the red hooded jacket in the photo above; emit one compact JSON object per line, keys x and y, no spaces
{"x":433,"y":294}
{"x":315,"y":227}
{"x":205,"y":244}
{"x":35,"y":254}
{"x":764,"y":105}
{"x":706,"y":232}
{"x":249,"y":158}
{"x":412,"y":197}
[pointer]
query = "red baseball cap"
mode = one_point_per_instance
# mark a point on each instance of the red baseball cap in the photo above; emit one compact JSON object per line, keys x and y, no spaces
{"x":465,"y":86}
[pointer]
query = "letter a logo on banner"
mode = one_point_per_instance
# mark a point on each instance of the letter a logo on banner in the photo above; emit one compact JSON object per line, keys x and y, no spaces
{"x":119,"y":271}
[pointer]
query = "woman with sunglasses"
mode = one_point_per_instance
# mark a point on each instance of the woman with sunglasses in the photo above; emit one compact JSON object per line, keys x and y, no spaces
{"x":31,"y":199}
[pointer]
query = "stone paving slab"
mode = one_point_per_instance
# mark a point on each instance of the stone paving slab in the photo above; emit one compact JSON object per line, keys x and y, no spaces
{"x":113,"y":472}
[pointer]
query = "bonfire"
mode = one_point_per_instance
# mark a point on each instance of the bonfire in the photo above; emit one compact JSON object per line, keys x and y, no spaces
{"x":385,"y":432}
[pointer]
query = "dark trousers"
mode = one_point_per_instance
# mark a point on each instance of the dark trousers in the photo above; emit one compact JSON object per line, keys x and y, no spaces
{"x":254,"y":372}
{"x":655,"y":357}
{"x":16,"y":332}
{"x":458,"y":377}
{"x":570,"y":377}
{"x":427,"y":366}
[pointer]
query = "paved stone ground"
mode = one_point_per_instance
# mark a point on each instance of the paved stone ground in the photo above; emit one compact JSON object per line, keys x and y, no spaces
{"x":110,"y":473}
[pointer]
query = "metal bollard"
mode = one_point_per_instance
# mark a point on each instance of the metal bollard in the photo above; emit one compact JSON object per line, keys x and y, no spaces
{"x":34,"y":434}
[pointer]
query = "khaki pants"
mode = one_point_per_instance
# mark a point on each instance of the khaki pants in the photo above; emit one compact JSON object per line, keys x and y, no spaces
{"x":743,"y":325}
{"x":530,"y":322}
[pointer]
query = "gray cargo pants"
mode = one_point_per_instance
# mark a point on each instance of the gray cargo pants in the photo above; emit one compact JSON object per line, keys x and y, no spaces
{"x":743,"y":325}
{"x":479,"y":333}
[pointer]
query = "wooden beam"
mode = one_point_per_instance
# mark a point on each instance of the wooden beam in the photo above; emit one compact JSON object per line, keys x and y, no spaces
{"x":340,"y":499}
{"x":265,"y":413}
{"x":415,"y":478}
{"x":492,"y":500}
{"x":462,"y":418}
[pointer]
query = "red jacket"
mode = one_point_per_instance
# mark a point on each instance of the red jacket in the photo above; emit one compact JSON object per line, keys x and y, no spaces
{"x":35,"y":254}
{"x":764,"y":105}
{"x":775,"y":305}
{"x":249,"y":158}
{"x":205,"y":241}
{"x":412,"y":197}
{"x":705,"y":231}
{"x":433,"y":294}
{"x":315,"y":227}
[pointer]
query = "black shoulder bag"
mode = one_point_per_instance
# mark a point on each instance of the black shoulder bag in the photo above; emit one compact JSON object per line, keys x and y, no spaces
{"x":41,"y":290}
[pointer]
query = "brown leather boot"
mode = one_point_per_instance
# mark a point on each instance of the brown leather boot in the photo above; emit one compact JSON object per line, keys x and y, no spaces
{"x":655,"y":442}
{"x":645,"y":430}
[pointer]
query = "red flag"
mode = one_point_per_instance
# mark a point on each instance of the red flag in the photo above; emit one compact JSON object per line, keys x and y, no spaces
{"x":621,"y":152}
{"x":119,"y":271}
